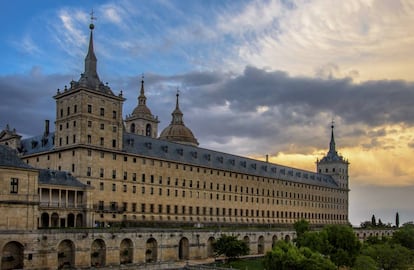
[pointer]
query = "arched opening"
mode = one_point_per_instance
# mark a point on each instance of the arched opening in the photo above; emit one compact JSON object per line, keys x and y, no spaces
{"x":66,"y":254}
{"x":98,"y":253}
{"x":71,"y":220}
{"x":246,"y":239}
{"x":132,"y":128}
{"x":44,"y":220}
{"x":184,"y":249}
{"x":79,"y":220}
{"x":151,"y":251}
{"x":210,"y":249}
{"x":260,"y":245}
{"x":148,"y":130}
{"x":287,"y":238}
{"x":54,"y":220}
{"x":126,"y":251}
{"x":274,"y":240}
{"x":12,"y":256}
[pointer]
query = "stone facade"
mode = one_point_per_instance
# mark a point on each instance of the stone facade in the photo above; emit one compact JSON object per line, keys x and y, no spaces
{"x":97,"y":170}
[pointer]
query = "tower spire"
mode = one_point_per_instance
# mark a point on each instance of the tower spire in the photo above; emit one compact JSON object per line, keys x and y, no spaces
{"x":90,"y":59}
{"x":332,"y":147}
{"x":142,"y":98}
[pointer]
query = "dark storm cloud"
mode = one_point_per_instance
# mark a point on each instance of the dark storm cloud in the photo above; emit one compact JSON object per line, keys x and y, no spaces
{"x":26,"y":100}
{"x":272,"y":109}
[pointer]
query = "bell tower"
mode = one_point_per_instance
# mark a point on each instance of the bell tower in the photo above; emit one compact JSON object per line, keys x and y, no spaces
{"x":88,"y":112}
{"x":142,"y":121}
{"x":334,"y":164}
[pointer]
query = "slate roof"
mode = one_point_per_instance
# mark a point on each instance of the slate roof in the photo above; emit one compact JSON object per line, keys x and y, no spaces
{"x":175,"y":152}
{"x":37,"y":144}
{"x":156,"y":148}
{"x":9,"y":158}
{"x":59,"y":178}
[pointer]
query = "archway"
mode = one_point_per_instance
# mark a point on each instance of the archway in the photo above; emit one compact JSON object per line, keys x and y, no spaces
{"x":260,"y":245}
{"x":98,"y":253}
{"x":210,"y":248}
{"x":66,"y":254}
{"x":151,"y":251}
{"x":44,"y":220}
{"x":246,"y":239}
{"x":184,"y":249}
{"x":126,"y":251}
{"x":274,"y":240}
{"x":79,"y":220}
{"x":54,"y":220}
{"x":12,"y":256}
{"x":71,"y":220}
{"x":287,"y":238}
{"x":132,"y":129}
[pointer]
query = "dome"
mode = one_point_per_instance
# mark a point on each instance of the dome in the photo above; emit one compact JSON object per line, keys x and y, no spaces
{"x":177,"y":131}
{"x":142,"y":109}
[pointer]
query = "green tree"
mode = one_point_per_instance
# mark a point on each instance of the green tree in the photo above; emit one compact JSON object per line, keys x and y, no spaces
{"x":405,"y":236}
{"x":397,"y":220}
{"x":389,"y":256}
{"x":364,"y":262}
{"x":373,"y":221}
{"x":301,"y":226}
{"x":286,"y":256}
{"x":343,"y":246}
{"x":230,"y":247}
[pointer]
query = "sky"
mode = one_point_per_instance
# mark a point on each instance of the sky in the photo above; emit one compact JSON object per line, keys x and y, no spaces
{"x":256,"y":78}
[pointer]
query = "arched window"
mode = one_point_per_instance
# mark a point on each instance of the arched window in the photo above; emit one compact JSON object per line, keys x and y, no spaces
{"x":148,"y":130}
{"x":132,"y":129}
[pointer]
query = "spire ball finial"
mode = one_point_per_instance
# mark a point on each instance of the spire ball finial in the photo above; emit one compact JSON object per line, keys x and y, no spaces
{"x":91,"y":25}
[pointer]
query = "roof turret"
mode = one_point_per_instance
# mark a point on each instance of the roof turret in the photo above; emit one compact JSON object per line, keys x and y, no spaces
{"x":177,"y":131}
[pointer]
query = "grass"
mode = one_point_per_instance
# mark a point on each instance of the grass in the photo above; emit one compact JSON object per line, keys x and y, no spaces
{"x":243,"y":264}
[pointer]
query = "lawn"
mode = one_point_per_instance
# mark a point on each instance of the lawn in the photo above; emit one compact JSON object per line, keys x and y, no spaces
{"x":244,"y":264}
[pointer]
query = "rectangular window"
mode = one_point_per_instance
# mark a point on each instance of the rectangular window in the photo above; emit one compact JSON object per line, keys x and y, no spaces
{"x":101,"y":186}
{"x":89,"y":108}
{"x":160,"y":208}
{"x":134,"y":207}
{"x":89,"y":123}
{"x":101,"y":172}
{"x":143,"y":207}
{"x":113,"y":187}
{"x":113,"y":174}
{"x":14,"y":185}
{"x":102,"y":141}
{"x":125,"y":175}
{"x":134,"y":189}
{"x":125,"y":188}
{"x":114,"y":114}
{"x":102,"y":112}
{"x":114,"y":143}
{"x":89,"y":171}
{"x":102,"y":126}
{"x":134,"y":177}
{"x":101,"y":205}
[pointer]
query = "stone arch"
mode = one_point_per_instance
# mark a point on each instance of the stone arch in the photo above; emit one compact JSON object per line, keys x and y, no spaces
{"x":260,"y":245}
{"x":246,"y":239}
{"x":71,"y":220}
{"x":44,"y":220}
{"x":126,"y":251}
{"x":148,"y":130}
{"x":287,"y":238}
{"x":66,"y":254}
{"x":151,"y":250}
{"x":54,"y":220}
{"x":184,"y":249}
{"x":13,"y":256}
{"x":79,"y":220}
{"x":210,"y":247}
{"x":274,"y":240}
{"x":98,"y":253}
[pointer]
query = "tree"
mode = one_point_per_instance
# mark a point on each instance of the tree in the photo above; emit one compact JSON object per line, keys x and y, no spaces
{"x":397,"y":220}
{"x":301,"y":226}
{"x":389,"y":256}
{"x":286,"y":256}
{"x":364,"y":262}
{"x":373,"y":221}
{"x":343,"y":245}
{"x":230,"y":247}
{"x":405,"y":236}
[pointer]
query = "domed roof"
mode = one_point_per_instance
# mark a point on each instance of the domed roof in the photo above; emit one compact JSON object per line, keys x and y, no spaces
{"x":177,"y":131}
{"x":142,"y":109}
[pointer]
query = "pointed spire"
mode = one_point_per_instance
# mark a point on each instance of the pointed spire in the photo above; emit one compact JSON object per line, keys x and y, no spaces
{"x":177,"y":115}
{"x":90,"y":59}
{"x":332,"y":147}
{"x":142,"y":99}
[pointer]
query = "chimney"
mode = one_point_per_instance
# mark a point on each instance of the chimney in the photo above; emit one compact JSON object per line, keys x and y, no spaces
{"x":46,"y":128}
{"x":267,"y":158}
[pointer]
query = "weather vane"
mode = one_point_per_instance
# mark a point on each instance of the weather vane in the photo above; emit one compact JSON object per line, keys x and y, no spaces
{"x":92,"y":17}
